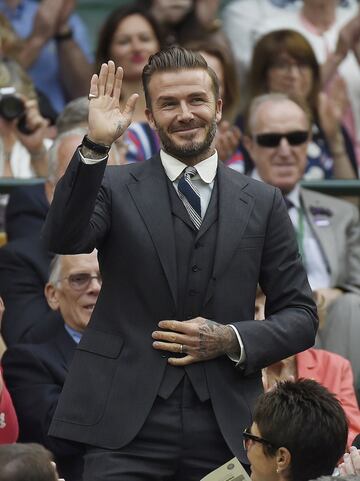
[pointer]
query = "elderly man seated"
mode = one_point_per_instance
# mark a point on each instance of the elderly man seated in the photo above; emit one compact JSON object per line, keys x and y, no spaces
{"x":35,"y":373}
{"x":327,"y":229}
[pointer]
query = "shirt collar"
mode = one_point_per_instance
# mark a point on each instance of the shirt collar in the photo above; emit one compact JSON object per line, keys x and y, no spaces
{"x":173,"y":167}
{"x":293,"y":196}
{"x":76,"y":335}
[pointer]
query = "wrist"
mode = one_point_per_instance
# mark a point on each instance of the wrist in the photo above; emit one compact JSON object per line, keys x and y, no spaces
{"x":63,"y":34}
{"x":92,"y":145}
{"x":38,"y":152}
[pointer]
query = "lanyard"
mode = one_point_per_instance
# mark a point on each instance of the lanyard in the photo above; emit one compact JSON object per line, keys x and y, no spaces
{"x":300,"y":233}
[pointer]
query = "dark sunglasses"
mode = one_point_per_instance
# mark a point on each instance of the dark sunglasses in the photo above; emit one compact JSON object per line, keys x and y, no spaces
{"x":248,"y":436}
{"x":296,"y":137}
{"x":81,"y":281}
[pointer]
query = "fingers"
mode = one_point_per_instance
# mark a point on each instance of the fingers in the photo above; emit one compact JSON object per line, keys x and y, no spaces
{"x":347,"y":465}
{"x":94,"y":90}
{"x":355,"y":458}
{"x":182,"y":361}
{"x":177,"y":347}
{"x":102,"y":79}
{"x":172,"y":325}
{"x":110,"y":80}
{"x":118,"y":82}
{"x":130,"y":105}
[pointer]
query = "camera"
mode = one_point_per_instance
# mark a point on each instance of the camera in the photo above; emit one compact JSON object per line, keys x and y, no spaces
{"x":11,"y":106}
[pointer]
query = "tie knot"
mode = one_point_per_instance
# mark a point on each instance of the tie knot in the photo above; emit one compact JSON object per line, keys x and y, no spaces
{"x":190,"y":172}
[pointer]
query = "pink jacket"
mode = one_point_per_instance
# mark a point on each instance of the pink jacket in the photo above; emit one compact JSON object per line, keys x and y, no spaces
{"x":335,"y":373}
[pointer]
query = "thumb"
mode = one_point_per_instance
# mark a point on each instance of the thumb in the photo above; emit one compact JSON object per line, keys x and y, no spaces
{"x":130,"y":105}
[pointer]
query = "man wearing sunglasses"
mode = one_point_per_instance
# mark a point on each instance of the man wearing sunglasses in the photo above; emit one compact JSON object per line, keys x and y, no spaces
{"x":327,"y":229}
{"x":36,"y":372}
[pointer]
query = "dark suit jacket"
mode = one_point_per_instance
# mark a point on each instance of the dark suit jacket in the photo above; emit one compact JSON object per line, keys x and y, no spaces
{"x":116,"y":373}
{"x":26,"y":211}
{"x":35,"y":376}
{"x":24,"y":271}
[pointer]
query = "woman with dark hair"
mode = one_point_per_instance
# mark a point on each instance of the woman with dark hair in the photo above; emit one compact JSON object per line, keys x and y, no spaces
{"x":283,"y":61}
{"x":299,"y":432}
{"x":184,"y":19}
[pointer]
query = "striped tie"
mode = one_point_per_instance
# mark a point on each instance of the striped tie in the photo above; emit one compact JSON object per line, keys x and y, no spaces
{"x":190,"y":196}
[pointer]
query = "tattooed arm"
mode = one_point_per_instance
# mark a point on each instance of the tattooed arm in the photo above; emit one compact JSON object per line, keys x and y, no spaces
{"x":200,"y":339}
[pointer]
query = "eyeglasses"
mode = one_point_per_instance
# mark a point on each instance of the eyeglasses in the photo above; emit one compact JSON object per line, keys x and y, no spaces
{"x":248,"y":436}
{"x":81,"y":281}
{"x":273,"y":139}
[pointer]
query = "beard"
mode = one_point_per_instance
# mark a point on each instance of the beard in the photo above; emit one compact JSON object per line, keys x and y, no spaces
{"x":190,"y":148}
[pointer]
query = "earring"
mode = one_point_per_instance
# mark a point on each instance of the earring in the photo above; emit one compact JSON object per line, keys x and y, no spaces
{"x":277,"y":470}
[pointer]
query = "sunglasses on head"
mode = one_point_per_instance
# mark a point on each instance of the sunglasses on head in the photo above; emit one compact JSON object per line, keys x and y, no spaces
{"x":273,"y":139}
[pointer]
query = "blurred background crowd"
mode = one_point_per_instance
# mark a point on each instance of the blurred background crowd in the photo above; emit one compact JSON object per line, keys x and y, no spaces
{"x":306,"y":50}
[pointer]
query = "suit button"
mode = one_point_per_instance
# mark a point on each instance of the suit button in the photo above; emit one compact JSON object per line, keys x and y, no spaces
{"x":163,"y":355}
{"x":192,"y":292}
{"x":197,"y":245}
{"x":195,"y":268}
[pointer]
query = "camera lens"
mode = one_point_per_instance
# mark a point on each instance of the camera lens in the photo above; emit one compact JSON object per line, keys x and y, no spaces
{"x":11,"y":107}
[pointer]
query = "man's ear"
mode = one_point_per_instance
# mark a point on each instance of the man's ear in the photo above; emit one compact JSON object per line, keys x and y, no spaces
{"x":218,"y":113}
{"x":283,"y":460}
{"x":150,"y":119}
{"x":51,"y":295}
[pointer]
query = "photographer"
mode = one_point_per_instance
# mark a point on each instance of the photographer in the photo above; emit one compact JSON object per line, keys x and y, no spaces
{"x":23,"y":146}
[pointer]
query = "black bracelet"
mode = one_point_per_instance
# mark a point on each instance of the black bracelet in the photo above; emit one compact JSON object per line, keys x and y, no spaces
{"x":61,"y":37}
{"x":99,"y":148}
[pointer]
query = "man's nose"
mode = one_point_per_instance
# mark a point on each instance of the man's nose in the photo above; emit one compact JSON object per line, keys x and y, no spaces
{"x":94,"y":285}
{"x":185,"y":113}
{"x":284,"y":146}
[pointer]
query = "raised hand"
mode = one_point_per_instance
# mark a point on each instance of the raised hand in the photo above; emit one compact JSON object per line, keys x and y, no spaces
{"x":106,"y":121}
{"x":200,"y":339}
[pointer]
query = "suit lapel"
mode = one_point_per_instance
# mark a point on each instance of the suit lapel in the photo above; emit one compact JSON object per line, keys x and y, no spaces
{"x":324,"y":233}
{"x":66,"y":346}
{"x":235,"y":207}
{"x":149,"y":192}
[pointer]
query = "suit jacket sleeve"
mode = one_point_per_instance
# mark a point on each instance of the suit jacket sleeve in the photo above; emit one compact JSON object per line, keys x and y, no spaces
{"x":35,"y":391}
{"x":291,"y":320}
{"x":352,"y":282}
{"x":79,"y":215}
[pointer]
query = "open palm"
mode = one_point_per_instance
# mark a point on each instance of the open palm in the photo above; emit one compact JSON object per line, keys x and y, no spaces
{"x":106,"y":120}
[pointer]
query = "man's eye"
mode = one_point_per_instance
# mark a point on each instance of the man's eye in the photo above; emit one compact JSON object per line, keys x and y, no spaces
{"x":79,"y":277}
{"x":198,"y":100}
{"x":168,"y":105}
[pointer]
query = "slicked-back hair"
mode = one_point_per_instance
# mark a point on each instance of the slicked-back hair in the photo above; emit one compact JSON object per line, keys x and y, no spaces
{"x":304,"y":417}
{"x":26,"y":462}
{"x":173,"y":59}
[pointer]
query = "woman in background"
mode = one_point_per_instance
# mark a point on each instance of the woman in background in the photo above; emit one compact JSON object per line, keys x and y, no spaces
{"x":283,"y":61}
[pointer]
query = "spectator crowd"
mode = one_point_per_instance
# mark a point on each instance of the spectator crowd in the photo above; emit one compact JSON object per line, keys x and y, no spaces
{"x":289,"y":79}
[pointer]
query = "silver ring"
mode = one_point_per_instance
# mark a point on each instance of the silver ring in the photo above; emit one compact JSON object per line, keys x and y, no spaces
{"x":181,"y":348}
{"x":92,"y":96}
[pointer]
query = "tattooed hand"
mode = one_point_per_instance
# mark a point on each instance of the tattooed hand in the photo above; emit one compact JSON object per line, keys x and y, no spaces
{"x":200,"y":339}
